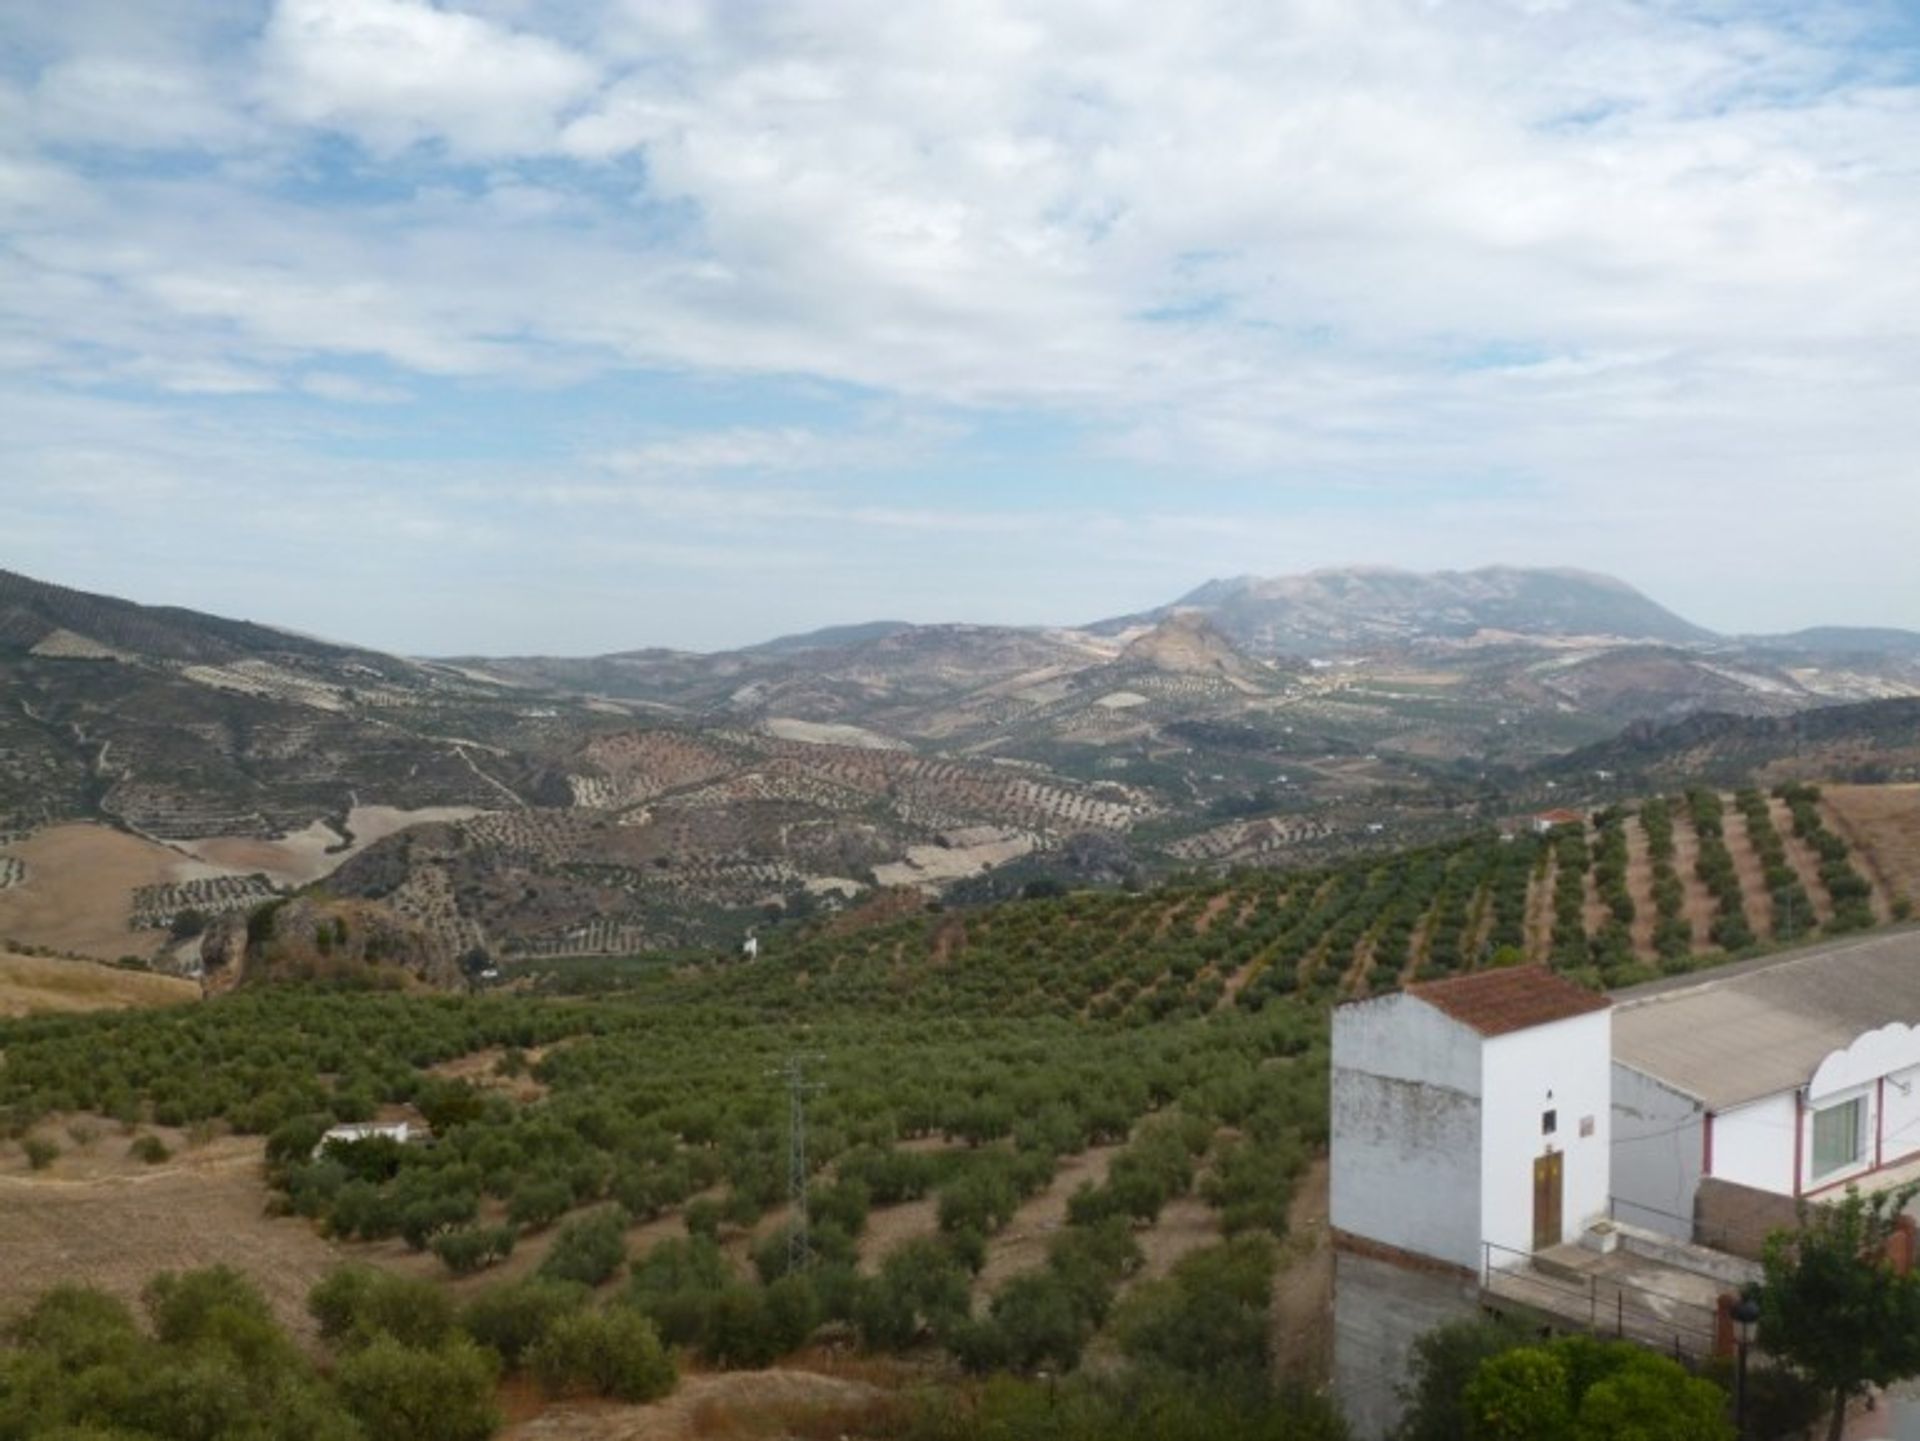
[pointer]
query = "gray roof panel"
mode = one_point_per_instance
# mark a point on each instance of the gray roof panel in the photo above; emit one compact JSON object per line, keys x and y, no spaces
{"x":1751,"y":1030}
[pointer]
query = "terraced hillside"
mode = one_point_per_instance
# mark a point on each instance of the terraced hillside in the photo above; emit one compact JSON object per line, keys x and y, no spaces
{"x":1676,"y":883}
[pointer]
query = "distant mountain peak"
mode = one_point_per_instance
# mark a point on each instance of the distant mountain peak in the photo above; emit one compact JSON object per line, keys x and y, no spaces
{"x":1364,"y":608}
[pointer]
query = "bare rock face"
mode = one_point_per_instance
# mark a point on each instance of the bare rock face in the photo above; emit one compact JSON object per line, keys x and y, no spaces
{"x":312,"y":939}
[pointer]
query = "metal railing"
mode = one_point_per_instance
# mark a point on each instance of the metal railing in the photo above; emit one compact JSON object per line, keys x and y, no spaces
{"x":1606,"y":1305}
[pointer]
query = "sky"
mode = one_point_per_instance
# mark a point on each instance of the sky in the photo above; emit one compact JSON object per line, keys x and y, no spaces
{"x":567,"y":326}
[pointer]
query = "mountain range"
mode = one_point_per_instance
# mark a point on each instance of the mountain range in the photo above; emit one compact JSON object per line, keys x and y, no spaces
{"x":536,"y":805}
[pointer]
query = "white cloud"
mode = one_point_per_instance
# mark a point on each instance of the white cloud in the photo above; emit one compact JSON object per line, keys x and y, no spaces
{"x":1649,"y":262}
{"x":396,"y":72}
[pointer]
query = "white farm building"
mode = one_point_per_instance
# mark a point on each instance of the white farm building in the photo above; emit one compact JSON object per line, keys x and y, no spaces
{"x":1508,"y":1139}
{"x":1470,"y":1118}
{"x":1795,"y":1076}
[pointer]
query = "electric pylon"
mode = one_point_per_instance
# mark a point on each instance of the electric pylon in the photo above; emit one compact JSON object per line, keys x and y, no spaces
{"x":799,"y":1239}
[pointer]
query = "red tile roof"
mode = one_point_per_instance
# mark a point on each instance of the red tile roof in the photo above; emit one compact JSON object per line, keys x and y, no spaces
{"x":1511,"y":998}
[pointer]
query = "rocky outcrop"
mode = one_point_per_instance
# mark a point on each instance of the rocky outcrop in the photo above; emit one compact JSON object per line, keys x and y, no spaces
{"x":314,"y":939}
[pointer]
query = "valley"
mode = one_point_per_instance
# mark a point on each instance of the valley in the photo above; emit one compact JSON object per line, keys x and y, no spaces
{"x":538,"y":807}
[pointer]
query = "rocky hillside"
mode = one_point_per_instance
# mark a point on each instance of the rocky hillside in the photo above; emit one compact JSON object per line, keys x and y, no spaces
{"x":316,"y":939}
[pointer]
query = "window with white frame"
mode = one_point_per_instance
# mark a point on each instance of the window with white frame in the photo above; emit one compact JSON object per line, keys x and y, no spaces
{"x":1838,"y":1136}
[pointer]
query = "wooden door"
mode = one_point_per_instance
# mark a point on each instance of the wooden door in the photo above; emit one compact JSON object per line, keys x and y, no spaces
{"x":1546,"y":1201}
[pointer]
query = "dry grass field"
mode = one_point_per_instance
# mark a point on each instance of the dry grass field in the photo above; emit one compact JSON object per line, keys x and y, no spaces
{"x":759,"y":1404}
{"x":1884,"y":823}
{"x":32,"y":984}
{"x":100,"y":1218}
{"x":78,"y":895}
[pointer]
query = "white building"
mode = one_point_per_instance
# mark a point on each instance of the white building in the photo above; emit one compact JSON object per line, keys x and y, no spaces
{"x":346,"y":1135}
{"x":1795,"y":1075}
{"x":1470,"y":1118}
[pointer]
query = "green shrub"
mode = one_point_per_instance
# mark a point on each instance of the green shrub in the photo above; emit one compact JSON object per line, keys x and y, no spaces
{"x":405,"y":1393}
{"x":588,"y":1250}
{"x":511,"y":1317}
{"x":612,"y":1352}
{"x":356,"y":1304}
{"x":467,"y":1249}
{"x":41,"y":1153}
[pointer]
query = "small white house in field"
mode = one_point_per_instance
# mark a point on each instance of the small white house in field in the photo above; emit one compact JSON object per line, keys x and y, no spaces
{"x":401,"y":1131}
{"x":1470,"y":1118}
{"x":1797,"y":1075}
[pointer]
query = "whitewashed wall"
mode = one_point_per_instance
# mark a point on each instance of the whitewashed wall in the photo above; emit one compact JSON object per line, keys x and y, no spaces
{"x":1564,"y":1066}
{"x":1405,"y":1165}
{"x":1656,"y":1153}
{"x":1753,"y":1144}
{"x":1902,"y":1115}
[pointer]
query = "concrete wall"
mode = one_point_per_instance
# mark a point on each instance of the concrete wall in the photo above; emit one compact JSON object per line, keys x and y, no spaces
{"x":1565,"y":1067}
{"x":1379,"y":1311}
{"x":1405,"y":1163}
{"x":1753,"y":1144}
{"x":1656,"y":1153}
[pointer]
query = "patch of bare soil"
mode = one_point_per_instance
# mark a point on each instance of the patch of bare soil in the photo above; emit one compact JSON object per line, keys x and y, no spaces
{"x":1215,"y":905}
{"x":891,"y":1227}
{"x":78,"y":895}
{"x":1697,"y":904}
{"x":1752,"y":875}
{"x":1539,"y":915}
{"x":100,"y":1218}
{"x":32,"y":984}
{"x":1801,"y":857}
{"x":1022,"y":1243}
{"x":482,"y":1068}
{"x":1882,"y":823}
{"x":1186,"y":1224}
{"x":1640,"y":888}
{"x":716,"y":1407}
{"x":1303,"y":1291}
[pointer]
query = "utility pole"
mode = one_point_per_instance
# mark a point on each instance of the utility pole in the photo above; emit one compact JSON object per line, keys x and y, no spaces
{"x":799,"y":1240}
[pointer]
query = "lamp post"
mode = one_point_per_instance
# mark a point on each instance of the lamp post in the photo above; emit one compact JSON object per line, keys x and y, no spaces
{"x":1746,"y":1316}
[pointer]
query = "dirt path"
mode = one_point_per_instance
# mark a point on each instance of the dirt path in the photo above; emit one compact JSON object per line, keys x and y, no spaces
{"x":1021,"y":1244}
{"x":1303,"y":1292}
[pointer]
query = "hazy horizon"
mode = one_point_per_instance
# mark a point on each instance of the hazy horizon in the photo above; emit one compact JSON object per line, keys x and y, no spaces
{"x":513,"y":326}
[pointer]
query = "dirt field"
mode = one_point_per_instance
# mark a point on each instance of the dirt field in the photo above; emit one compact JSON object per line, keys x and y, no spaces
{"x":1883,"y":823}
{"x":98,"y":1217}
{"x":30,"y":984}
{"x":78,"y":896}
